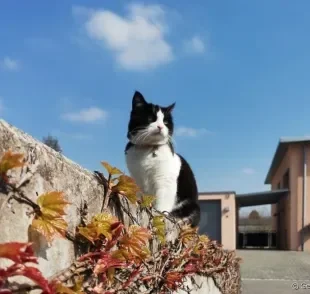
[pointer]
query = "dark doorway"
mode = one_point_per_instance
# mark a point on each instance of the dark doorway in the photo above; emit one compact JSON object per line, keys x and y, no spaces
{"x":211,"y":219}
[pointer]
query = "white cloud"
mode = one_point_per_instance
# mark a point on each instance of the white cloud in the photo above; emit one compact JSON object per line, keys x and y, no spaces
{"x":190,"y":132}
{"x":87,"y":115}
{"x":194,"y":45}
{"x":248,"y":171}
{"x":10,"y":64}
{"x":137,"y":40}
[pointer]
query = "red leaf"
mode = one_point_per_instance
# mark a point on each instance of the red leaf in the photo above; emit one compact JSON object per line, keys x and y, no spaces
{"x":9,"y":161}
{"x":35,"y":275}
{"x":18,"y":252}
{"x":31,"y":273}
{"x":99,"y":289}
{"x":190,"y":268}
{"x":5,"y":179}
{"x":147,"y":278}
{"x":117,"y":229}
{"x":106,"y":262}
{"x":135,"y":241}
{"x":2,"y":276}
{"x":131,"y":278}
{"x":90,"y":255}
{"x":5,"y":291}
{"x":173,"y":279}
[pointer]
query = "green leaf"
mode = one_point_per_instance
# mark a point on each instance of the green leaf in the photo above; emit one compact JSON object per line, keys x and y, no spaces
{"x":49,"y":220}
{"x":159,"y":225}
{"x":111,"y":170}
{"x":127,"y":187}
{"x":101,"y":224}
{"x":147,"y":200}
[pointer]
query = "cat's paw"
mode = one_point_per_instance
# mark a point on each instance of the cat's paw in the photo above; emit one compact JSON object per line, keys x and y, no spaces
{"x":166,"y":213}
{"x":184,"y":222}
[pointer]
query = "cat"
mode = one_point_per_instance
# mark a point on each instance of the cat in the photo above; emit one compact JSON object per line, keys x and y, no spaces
{"x":154,"y":165}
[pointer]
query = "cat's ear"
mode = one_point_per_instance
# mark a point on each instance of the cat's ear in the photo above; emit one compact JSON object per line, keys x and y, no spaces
{"x":170,"y":108}
{"x":138,"y":100}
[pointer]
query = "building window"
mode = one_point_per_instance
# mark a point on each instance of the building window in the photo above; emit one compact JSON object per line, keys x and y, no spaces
{"x":279,"y":185}
{"x":286,"y":180}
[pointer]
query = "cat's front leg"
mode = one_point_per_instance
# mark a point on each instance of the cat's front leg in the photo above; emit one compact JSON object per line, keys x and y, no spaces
{"x":165,"y":199}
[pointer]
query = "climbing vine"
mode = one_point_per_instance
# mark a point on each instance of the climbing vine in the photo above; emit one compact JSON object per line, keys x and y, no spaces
{"x":118,"y":259}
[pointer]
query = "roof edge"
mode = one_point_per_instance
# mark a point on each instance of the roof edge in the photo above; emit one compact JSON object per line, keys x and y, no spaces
{"x":277,"y":191}
{"x":277,"y":157}
{"x":216,"y":192}
{"x":294,"y":139}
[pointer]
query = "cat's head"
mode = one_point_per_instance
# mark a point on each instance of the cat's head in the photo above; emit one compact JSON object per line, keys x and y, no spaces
{"x":149,"y":124}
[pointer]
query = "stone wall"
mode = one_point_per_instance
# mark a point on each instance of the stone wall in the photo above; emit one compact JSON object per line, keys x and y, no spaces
{"x":53,"y":171}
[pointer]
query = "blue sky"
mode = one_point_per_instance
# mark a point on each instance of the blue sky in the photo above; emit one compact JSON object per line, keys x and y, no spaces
{"x":238,"y":71}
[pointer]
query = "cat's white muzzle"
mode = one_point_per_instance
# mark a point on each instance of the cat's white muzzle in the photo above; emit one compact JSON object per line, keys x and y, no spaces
{"x":151,"y":136}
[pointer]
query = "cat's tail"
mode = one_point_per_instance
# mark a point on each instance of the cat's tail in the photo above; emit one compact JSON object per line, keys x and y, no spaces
{"x":188,"y":212}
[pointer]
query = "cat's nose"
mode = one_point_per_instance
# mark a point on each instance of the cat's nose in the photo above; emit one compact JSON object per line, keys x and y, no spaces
{"x":160,"y":127}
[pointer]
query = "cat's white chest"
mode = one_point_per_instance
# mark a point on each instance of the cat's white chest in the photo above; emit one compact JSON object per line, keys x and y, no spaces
{"x":156,"y":172}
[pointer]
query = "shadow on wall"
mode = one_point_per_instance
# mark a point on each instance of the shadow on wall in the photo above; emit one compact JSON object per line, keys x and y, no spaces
{"x":304,"y":237}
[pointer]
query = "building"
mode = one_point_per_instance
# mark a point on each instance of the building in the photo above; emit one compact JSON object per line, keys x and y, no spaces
{"x":219,"y":217}
{"x":256,"y":232}
{"x":289,"y":196}
{"x":289,"y":171}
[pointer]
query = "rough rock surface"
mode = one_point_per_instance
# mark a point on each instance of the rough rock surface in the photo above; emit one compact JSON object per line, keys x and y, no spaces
{"x":55,"y":172}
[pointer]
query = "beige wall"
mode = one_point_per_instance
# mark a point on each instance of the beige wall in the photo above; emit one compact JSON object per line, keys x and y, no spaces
{"x":307,"y":218}
{"x":281,"y":222}
{"x":296,"y":162}
{"x":290,"y":208}
{"x":296,"y":159}
{"x":228,"y":218}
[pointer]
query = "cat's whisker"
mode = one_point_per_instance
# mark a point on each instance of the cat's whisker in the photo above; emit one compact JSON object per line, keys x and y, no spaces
{"x":142,"y":137}
{"x":137,"y":129}
{"x":147,"y":135}
{"x":172,"y":140}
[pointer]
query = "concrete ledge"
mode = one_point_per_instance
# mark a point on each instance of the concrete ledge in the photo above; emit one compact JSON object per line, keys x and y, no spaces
{"x":53,"y":171}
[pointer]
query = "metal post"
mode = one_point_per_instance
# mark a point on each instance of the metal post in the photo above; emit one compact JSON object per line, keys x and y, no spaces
{"x":244,"y":240}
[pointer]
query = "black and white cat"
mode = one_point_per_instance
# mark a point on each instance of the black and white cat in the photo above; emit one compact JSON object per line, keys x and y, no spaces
{"x":154,"y":165}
